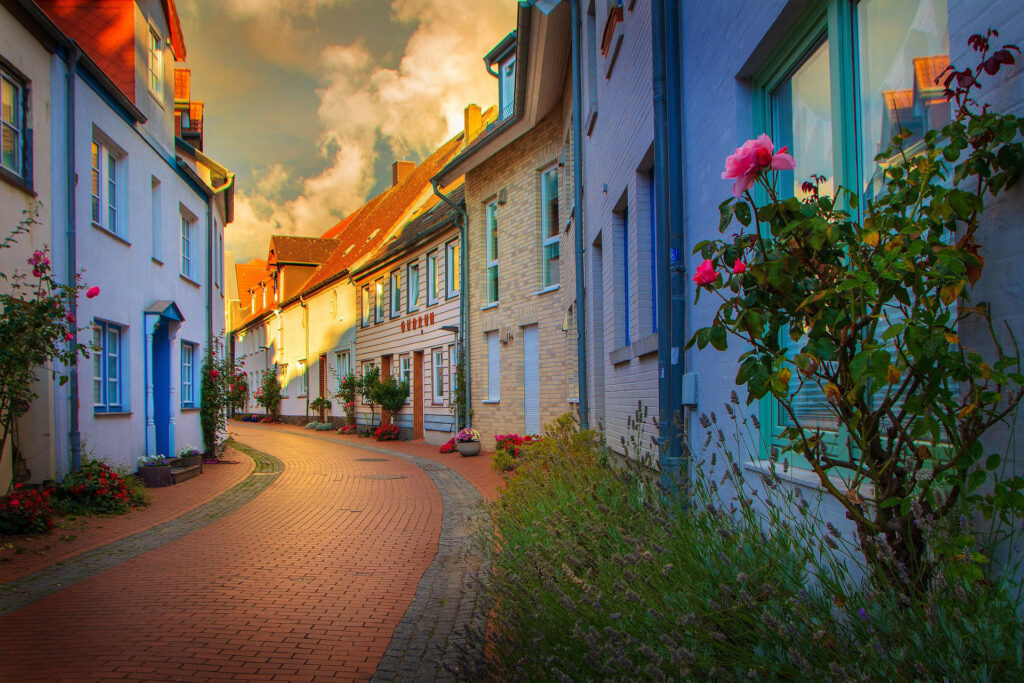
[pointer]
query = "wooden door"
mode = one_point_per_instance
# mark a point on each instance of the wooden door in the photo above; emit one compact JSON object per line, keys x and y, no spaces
{"x":416,"y":387}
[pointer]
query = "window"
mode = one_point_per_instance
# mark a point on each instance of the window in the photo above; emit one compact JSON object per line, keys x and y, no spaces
{"x":491,"y":237}
{"x":342,"y":365}
{"x":507,"y":88}
{"x":282,"y":378}
{"x":624,"y":290}
{"x":433,"y":278}
{"x":493,"y":366}
{"x":188,"y":261}
{"x":453,"y":368}
{"x":413,"y":283}
{"x":405,"y":373}
{"x":156,"y":63}
{"x":437,"y":375}
{"x":451,"y":268}
{"x":157,"y":217}
{"x":365,"y":310}
{"x":105,"y":188}
{"x":188,"y":375}
{"x":652,"y":207}
{"x":107,"y":364}
{"x":549,"y":226}
{"x":884,"y":79}
{"x":378,"y":300}
{"x":367,"y":367}
{"x":13,"y":156}
{"x":303,"y":377}
{"x":396,"y":293}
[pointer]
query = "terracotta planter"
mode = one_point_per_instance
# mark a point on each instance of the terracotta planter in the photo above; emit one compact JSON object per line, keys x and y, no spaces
{"x":467,"y":448}
{"x":156,"y":476}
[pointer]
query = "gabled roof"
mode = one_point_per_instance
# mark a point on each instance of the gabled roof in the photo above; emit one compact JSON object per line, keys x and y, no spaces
{"x":439,"y":216}
{"x":340,"y":226}
{"x":248,"y":275}
{"x":310,"y":251}
{"x":367,"y":232}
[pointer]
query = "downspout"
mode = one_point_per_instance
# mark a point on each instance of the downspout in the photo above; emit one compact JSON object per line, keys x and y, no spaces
{"x":577,"y":172}
{"x":305,"y":314}
{"x":209,"y":251}
{"x":74,"y":435}
{"x":462,"y":221}
{"x":668,"y":121}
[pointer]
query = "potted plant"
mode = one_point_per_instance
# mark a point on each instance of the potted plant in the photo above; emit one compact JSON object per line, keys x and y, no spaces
{"x":190,"y":456}
{"x":321,"y":405}
{"x":467,"y":442}
{"x":155,"y":471}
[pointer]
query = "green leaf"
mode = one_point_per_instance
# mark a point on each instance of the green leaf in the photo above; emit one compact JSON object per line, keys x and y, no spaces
{"x":976,"y":479}
{"x":742,"y":211}
{"x":725,"y":211}
{"x":993,"y":462}
{"x":889,"y":503}
{"x":718,"y":337}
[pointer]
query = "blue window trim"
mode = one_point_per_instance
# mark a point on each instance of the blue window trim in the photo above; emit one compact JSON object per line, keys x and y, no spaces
{"x":193,"y":403}
{"x":106,"y":405}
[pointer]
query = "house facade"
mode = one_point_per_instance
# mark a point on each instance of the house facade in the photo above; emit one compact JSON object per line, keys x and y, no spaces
{"x":406,"y":295}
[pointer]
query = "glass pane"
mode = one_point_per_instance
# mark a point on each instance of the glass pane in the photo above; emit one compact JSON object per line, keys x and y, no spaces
{"x":903,"y":47}
{"x":492,"y":284}
{"x":802,"y":121}
{"x":492,"y":232}
{"x":10,"y":150}
{"x":551,"y":265}
{"x":455,"y":268}
{"x":9,"y":98}
{"x":549,"y":193}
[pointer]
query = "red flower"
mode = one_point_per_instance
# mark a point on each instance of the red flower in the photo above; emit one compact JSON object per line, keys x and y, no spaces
{"x":214,"y":373}
{"x":93,"y":292}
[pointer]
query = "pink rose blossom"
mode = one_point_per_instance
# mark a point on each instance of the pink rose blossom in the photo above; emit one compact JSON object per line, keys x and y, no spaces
{"x":69,"y":336}
{"x":93,"y":292}
{"x":739,"y":267}
{"x":705,"y":273}
{"x":214,"y":373}
{"x":753,"y":157}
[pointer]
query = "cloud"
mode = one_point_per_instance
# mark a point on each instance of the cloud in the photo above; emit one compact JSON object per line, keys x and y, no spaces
{"x":412,"y":108}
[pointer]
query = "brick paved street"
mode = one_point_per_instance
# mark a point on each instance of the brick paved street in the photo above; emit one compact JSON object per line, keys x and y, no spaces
{"x":309,"y":579}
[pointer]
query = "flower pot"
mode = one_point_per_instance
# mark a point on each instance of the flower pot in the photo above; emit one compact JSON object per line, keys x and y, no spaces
{"x":154,"y":476}
{"x":467,"y":447}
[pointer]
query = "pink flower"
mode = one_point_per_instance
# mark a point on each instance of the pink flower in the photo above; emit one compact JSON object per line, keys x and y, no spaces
{"x":753,"y":157}
{"x":739,"y":267}
{"x":705,"y":273}
{"x":214,"y":373}
{"x":70,"y":318}
{"x":69,"y":336}
{"x":93,"y":292}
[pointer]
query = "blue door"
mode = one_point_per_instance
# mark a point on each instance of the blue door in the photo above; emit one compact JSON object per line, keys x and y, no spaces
{"x":162,"y":389}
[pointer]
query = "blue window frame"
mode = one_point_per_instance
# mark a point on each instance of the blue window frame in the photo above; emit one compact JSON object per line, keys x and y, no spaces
{"x":188,"y":375}
{"x":108,"y":362}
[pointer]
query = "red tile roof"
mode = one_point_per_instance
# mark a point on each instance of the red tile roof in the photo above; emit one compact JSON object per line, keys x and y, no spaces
{"x":248,"y":276}
{"x":299,"y":250}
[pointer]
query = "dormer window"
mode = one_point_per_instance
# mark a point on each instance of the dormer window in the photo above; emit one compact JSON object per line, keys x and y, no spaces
{"x":507,"y":87}
{"x":156,"y":63}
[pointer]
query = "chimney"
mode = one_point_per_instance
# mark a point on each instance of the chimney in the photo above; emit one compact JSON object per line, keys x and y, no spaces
{"x":400,"y":170}
{"x":473,"y":123}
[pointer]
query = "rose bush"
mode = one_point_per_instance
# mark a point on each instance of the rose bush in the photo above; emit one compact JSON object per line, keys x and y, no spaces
{"x":26,"y":511}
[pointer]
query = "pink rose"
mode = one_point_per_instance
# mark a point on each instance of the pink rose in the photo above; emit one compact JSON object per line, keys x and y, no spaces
{"x":705,"y":273}
{"x":753,"y":157}
{"x":739,"y":267}
{"x":214,"y":373}
{"x":70,"y":318}
{"x":69,"y":336}
{"x":93,"y":292}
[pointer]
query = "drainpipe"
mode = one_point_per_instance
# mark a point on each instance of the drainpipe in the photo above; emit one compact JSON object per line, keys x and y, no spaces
{"x":305,"y":314}
{"x":577,"y":172}
{"x":74,"y":435}
{"x":213,"y":192}
{"x":666,"y":44}
{"x":462,"y":221}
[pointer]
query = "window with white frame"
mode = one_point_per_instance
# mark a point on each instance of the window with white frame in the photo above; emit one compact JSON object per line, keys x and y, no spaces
{"x":493,"y":366}
{"x":437,"y":375}
{"x":433,"y":278}
{"x":395,"y":290}
{"x":188,"y":375}
{"x":378,"y":300}
{"x":549,"y":226}
{"x":107,"y":367}
{"x":105,"y":187}
{"x":412,"y":282}
{"x":13,"y":152}
{"x":364,"y":312}
{"x":189,"y":267}
{"x":156,"y":210}
{"x":453,"y":367}
{"x":405,"y":373}
{"x":303,"y":373}
{"x":451,"y":268}
{"x":282,"y":378}
{"x":342,"y":365}
{"x":491,"y":237}
{"x":156,"y":63}
{"x":367,"y":367}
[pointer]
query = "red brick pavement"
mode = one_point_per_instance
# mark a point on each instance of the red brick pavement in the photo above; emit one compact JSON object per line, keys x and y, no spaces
{"x":92,"y":532}
{"x":306,"y":582}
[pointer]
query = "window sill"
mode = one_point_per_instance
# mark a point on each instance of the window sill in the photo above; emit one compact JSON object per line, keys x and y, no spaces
{"x":453,"y":295}
{"x":434,"y":302}
{"x":614,"y":47}
{"x":16,"y":181}
{"x":437,"y":403}
{"x":591,"y":119}
{"x":190,"y":409}
{"x":801,"y":476}
{"x":574,"y":401}
{"x":489,"y":306}
{"x":490,"y":401}
{"x":111,"y":413}
{"x":549,"y":288}
{"x":645,"y":345}
{"x":157,"y":261}
{"x":111,"y":234}
{"x":189,"y":280}
{"x":623,"y":354}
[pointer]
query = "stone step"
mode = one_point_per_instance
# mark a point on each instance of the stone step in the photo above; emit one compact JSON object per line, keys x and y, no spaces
{"x":180,"y":474}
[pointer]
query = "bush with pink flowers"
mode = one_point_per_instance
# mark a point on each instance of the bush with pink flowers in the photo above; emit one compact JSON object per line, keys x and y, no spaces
{"x":26,"y":511}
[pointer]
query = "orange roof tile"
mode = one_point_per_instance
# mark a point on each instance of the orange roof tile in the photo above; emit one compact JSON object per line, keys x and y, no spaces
{"x":248,"y":276}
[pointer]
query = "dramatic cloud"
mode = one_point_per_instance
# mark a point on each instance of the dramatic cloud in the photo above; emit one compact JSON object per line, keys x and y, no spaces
{"x":411,"y":108}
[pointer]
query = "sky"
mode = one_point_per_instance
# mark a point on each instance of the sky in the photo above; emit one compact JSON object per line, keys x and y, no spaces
{"x":310,"y":101}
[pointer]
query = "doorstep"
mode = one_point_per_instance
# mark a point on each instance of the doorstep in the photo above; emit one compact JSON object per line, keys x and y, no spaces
{"x":180,"y":474}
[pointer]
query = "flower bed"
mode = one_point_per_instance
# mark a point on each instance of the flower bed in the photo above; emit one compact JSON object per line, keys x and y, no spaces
{"x":448,"y":446}
{"x":387,"y":432}
{"x":96,"y":489}
{"x":26,"y":511}
{"x":347,"y":429}
{"x":507,"y":448}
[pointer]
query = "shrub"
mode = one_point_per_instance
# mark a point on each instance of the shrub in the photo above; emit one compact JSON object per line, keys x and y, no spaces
{"x":390,"y":394}
{"x":627,"y":584}
{"x":507,"y":448}
{"x":320,"y":403}
{"x":312,"y":425}
{"x":388,"y":432}
{"x":448,"y":446}
{"x":96,"y":489}
{"x":347,"y":429}
{"x":222,"y":386}
{"x":26,"y":511}
{"x":268,"y":394}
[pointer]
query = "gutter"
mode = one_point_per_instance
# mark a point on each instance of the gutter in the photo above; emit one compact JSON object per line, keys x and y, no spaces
{"x":74,"y":434}
{"x":577,"y":172}
{"x":462,"y":221}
